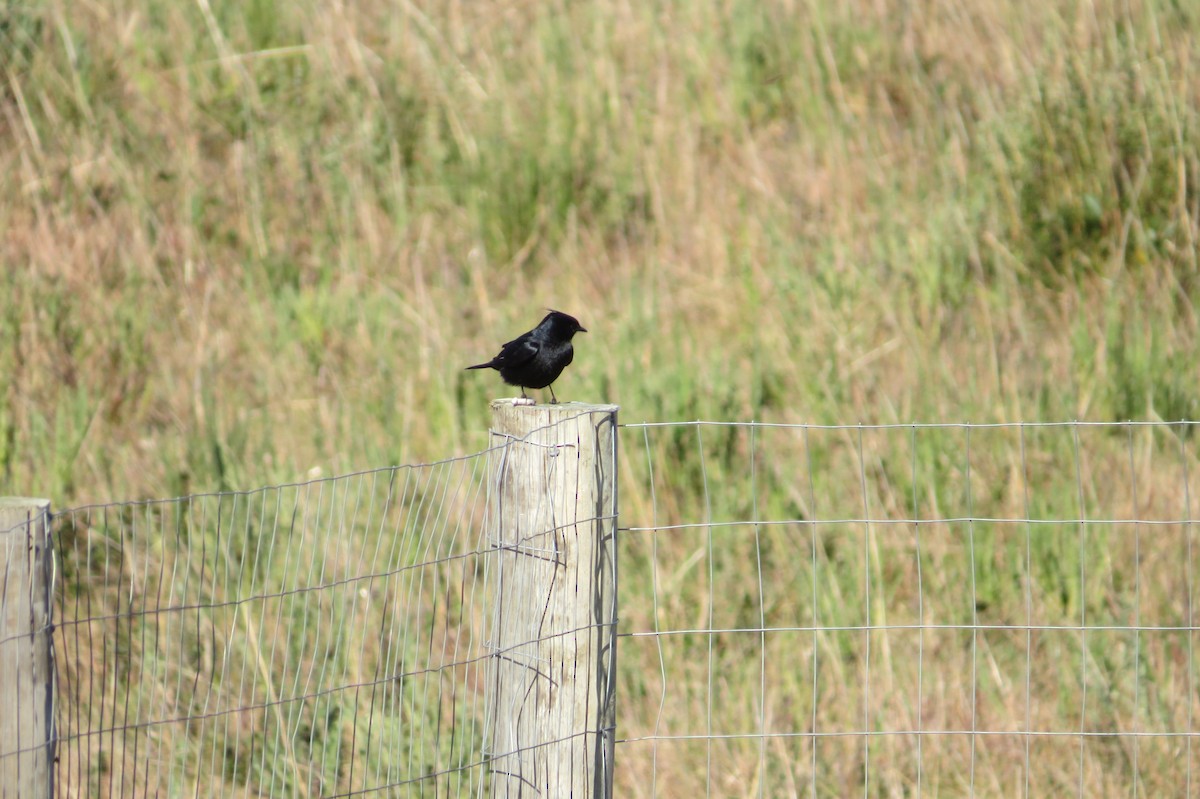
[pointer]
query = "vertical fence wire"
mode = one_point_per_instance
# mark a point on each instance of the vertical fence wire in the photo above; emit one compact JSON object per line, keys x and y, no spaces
{"x":322,"y":638}
{"x":909,"y":608}
{"x":760,"y":777}
{"x":866,"y":692}
{"x":920,"y":607}
{"x":552,"y":530}
{"x":1077,"y":459}
{"x":807,"y":610}
{"x":1027,"y":585}
{"x":816,"y":624}
{"x":1189,"y":583}
{"x":1137,"y":607}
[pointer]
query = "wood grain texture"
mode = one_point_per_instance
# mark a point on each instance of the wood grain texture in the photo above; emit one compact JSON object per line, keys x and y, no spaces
{"x":26,"y":665}
{"x":552,"y":524}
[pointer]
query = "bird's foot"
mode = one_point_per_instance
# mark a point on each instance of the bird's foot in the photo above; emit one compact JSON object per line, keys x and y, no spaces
{"x":524,"y":401}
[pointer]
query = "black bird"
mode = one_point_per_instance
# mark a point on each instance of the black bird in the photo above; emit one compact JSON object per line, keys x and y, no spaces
{"x":537,"y":358}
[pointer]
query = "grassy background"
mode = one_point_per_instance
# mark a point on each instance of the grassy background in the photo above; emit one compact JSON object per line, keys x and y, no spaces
{"x":244,"y":240}
{"x":245,"y":243}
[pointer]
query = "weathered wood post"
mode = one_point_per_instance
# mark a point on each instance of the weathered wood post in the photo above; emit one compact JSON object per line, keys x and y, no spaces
{"x":553,"y":521}
{"x":26,"y":659}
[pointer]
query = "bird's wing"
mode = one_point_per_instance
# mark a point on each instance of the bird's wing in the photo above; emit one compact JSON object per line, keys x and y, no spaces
{"x":518,"y":351}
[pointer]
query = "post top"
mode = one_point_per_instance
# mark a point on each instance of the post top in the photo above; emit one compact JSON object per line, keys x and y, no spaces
{"x":16,"y":512}
{"x":15,"y":502}
{"x":565,"y":407}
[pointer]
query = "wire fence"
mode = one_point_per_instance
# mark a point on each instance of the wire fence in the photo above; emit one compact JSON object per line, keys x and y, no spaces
{"x":883,"y":610}
{"x":316,"y":639}
{"x":804,"y":610}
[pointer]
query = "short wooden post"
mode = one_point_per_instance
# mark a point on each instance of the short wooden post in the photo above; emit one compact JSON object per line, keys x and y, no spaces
{"x":551,"y":704}
{"x":26,"y":659}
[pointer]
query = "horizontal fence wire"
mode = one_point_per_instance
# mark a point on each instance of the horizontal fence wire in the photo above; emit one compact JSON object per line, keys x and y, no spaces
{"x":323,"y":638}
{"x":907,"y":609}
{"x":331,"y":638}
{"x":553,"y":521}
{"x":804,"y":610}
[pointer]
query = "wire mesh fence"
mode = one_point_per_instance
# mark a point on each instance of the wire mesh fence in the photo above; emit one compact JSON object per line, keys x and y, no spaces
{"x":805,"y":610}
{"x":317,"y":639}
{"x":991,"y":610}
{"x":398,"y":632}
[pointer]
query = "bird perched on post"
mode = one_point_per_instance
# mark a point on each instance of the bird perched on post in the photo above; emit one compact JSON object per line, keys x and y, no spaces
{"x":536,"y":359}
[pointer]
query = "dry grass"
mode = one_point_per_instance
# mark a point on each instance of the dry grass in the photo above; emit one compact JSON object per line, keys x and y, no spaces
{"x":244,"y":241}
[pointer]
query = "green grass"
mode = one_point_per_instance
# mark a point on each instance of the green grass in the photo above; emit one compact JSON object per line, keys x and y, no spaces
{"x":244,"y":245}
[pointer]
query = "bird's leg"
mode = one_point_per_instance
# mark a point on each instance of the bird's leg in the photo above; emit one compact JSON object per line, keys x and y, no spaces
{"x":553,"y":399}
{"x":524,"y":396}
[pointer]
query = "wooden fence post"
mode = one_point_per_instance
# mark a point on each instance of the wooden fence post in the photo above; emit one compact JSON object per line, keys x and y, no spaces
{"x":26,"y":658}
{"x":552,"y":516}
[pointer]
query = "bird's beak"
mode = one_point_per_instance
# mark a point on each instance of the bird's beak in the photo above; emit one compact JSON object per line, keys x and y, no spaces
{"x":582,"y":329}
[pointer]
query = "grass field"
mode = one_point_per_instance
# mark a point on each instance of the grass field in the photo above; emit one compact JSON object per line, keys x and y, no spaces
{"x":248,"y":243}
